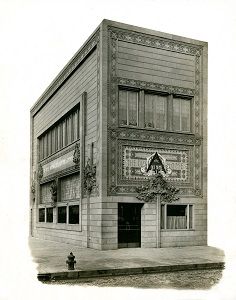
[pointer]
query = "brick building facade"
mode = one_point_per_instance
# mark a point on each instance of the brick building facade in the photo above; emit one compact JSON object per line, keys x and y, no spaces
{"x":127,"y":93}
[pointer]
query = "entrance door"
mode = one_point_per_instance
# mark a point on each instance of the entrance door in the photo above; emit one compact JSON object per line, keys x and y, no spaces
{"x":129,"y":225}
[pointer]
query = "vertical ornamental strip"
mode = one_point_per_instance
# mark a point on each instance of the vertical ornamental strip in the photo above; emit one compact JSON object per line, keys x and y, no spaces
{"x":157,"y":188}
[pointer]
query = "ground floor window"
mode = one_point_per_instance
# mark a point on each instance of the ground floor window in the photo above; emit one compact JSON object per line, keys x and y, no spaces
{"x":49,"y":214}
{"x":74,"y":214}
{"x":176,"y":216}
{"x":61,"y":214}
{"x":42,"y":215}
{"x":68,"y":214}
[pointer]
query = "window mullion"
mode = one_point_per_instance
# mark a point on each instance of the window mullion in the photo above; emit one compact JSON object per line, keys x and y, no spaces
{"x":165,"y":214}
{"x":127,"y":107}
{"x":180,"y":115}
{"x":170,"y":113}
{"x":141,"y":109}
{"x":67,"y":213}
{"x":188,"y":216}
{"x":137,"y":108}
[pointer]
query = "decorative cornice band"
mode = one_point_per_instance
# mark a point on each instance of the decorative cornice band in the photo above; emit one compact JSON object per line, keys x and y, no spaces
{"x":154,"y":136}
{"x":65,"y":73}
{"x":154,"y":41}
{"x":155,"y":86}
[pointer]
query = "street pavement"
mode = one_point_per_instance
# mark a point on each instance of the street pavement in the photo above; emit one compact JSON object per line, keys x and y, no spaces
{"x":192,"y":279}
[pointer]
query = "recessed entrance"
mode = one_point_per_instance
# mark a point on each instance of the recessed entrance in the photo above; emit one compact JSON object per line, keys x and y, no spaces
{"x":129,"y":225}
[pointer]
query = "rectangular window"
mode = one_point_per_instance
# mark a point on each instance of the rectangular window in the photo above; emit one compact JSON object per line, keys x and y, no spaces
{"x":56,"y":139}
{"x":73,"y":128}
{"x":155,"y":112}
{"x":63,"y":133}
{"x":64,"y":136}
{"x":60,"y":136}
{"x":74,"y":214}
{"x":128,"y":107}
{"x":49,"y":143}
{"x":181,"y":114}
{"x":53,"y":140}
{"x":41,"y":214}
{"x":61,"y":214}
{"x":49,"y":215}
{"x":45,"y":146}
{"x":41,"y":149}
{"x":176,"y":216}
{"x":69,"y":130}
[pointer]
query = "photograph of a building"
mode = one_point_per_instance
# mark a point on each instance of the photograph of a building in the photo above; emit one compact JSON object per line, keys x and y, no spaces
{"x":127,"y":93}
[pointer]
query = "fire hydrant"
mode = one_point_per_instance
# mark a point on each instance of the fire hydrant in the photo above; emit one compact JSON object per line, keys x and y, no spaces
{"x":71,"y":261}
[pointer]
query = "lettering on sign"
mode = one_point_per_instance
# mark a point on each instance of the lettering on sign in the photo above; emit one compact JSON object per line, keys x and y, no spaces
{"x":135,"y":157}
{"x":58,"y":164}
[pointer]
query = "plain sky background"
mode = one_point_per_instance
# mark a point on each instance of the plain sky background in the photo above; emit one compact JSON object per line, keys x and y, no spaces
{"x":37,"y":38}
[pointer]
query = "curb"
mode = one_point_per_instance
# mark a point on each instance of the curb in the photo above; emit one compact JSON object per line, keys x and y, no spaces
{"x":126,"y":271}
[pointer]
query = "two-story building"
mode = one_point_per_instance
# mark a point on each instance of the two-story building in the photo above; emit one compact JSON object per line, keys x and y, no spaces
{"x":127,"y":93}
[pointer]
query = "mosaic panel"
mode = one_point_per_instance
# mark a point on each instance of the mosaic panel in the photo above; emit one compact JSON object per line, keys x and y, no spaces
{"x":133,"y":158}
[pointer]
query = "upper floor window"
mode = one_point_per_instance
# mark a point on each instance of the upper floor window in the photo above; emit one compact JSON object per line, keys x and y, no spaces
{"x":63,"y":133}
{"x":155,"y":110}
{"x":181,"y":114}
{"x":128,"y":107}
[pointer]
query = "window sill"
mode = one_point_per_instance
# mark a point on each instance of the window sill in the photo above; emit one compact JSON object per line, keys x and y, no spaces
{"x":168,"y":230}
{"x":155,"y":129}
{"x":60,"y":151}
{"x":60,"y":226}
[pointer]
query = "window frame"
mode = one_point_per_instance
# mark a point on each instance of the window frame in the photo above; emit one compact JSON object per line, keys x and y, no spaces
{"x":188,"y":218}
{"x":169,"y":110}
{"x":146,"y":92}
{"x":41,"y":209}
{"x":67,"y":205}
{"x":190,"y":113}
{"x":127,"y":106}
{"x":59,"y":207}
{"x":47,"y":208}
{"x":56,"y":137}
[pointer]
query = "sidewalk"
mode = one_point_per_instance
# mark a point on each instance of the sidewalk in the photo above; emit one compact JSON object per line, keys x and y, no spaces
{"x":51,"y":259}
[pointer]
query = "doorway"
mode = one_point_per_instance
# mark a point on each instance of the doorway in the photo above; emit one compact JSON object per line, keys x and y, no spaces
{"x":129,"y":225}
